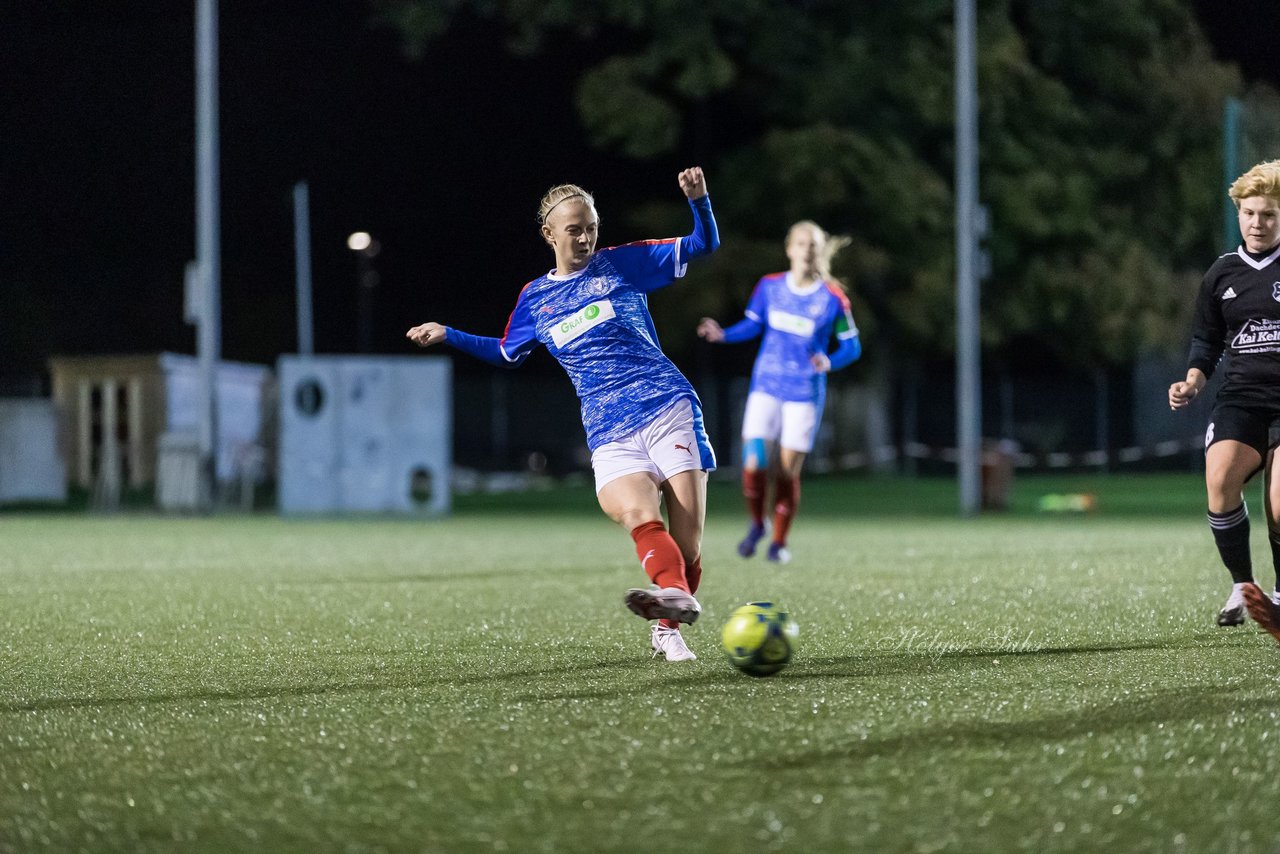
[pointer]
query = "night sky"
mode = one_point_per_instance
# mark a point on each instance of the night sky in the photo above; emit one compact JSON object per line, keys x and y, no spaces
{"x":442,"y":159}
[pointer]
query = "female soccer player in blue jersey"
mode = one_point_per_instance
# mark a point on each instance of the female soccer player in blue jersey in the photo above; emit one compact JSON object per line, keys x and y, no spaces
{"x":642,"y":417}
{"x":1238,"y":315}
{"x":799,"y":312}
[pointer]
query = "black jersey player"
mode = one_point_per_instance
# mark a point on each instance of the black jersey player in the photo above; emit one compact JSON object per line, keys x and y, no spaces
{"x":1238,"y":316}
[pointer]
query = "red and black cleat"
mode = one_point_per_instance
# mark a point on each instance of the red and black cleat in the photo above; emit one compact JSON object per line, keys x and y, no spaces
{"x":1264,"y":612}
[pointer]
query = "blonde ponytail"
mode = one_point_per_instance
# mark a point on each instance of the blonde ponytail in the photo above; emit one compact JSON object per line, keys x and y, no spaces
{"x":831,"y":246}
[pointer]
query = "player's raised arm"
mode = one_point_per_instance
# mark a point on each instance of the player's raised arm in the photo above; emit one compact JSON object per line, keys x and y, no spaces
{"x":693,"y":183}
{"x":705,"y":238}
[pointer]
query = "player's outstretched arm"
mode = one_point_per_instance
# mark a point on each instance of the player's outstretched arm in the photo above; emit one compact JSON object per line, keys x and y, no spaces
{"x":482,"y":347}
{"x":744,"y":330}
{"x":427,"y":334}
{"x":710,"y":331}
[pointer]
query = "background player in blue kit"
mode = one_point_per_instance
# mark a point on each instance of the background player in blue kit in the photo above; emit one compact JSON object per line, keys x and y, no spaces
{"x":1238,"y":314}
{"x":799,"y":312}
{"x":642,"y":418}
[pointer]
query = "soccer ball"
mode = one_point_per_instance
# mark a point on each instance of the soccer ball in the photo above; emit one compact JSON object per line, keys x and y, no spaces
{"x":760,"y":638}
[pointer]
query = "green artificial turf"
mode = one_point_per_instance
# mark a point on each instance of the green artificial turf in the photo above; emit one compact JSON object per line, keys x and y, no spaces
{"x":1022,"y":682}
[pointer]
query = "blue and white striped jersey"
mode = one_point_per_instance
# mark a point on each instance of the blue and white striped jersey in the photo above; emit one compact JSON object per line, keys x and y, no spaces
{"x":596,"y":323}
{"x":798,"y":323}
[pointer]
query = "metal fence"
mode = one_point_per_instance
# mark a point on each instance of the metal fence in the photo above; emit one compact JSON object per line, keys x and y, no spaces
{"x":901,"y":422}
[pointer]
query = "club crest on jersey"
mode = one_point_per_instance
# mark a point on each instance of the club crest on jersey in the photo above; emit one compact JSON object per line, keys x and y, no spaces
{"x":598,"y":286}
{"x":1275,"y":291}
{"x":568,"y":328}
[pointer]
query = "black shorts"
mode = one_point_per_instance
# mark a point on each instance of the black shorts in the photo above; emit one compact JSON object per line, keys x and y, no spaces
{"x":1257,"y":426}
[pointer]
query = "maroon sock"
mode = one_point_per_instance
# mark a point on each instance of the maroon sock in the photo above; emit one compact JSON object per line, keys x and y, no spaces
{"x":787,"y":490}
{"x":693,"y":574}
{"x":754,"y":482}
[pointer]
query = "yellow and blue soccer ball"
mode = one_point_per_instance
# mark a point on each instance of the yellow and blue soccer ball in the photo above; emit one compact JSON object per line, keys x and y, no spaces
{"x":760,"y":638}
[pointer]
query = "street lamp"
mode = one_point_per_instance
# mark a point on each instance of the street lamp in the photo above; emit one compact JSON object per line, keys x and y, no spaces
{"x":366,"y":249}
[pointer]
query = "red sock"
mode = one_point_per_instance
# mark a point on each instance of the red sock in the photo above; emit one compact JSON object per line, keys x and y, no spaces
{"x":788,"y":491}
{"x":659,"y":555}
{"x":692,"y":574}
{"x":754,"y":482}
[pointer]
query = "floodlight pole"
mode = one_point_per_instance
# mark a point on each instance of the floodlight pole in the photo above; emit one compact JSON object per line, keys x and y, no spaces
{"x":302,"y":264}
{"x":1230,"y":170}
{"x":208,"y":241}
{"x":968,"y":352}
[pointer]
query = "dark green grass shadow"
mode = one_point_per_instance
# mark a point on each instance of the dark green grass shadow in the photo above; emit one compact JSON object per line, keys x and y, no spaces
{"x":896,"y":664}
{"x":1176,"y":704}
{"x":522,"y":572}
{"x":890,"y":663}
{"x":320,"y":689}
{"x":167,"y":697}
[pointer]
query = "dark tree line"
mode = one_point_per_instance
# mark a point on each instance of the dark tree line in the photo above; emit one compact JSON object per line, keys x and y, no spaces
{"x":1100,"y":134}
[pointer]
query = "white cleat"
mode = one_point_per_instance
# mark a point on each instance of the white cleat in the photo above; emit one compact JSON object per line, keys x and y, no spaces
{"x":669,"y":644}
{"x":663,"y":603}
{"x":1232,"y":613}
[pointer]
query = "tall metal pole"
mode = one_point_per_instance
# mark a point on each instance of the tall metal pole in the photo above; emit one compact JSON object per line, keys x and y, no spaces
{"x":208,"y":239}
{"x":968,"y":353}
{"x":302,"y":264}
{"x":1231,"y":170}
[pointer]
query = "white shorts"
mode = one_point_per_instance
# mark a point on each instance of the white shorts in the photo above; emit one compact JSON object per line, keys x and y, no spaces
{"x":673,"y":442}
{"x":791,"y":423}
